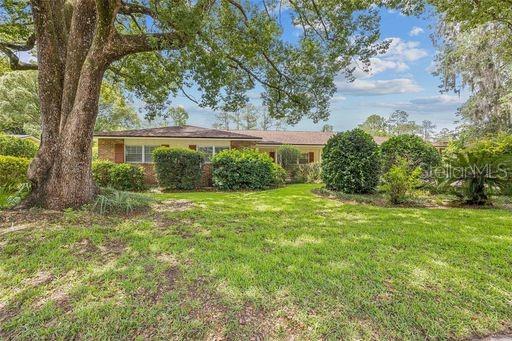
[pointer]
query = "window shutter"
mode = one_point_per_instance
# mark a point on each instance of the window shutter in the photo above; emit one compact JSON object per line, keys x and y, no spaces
{"x":119,"y":153}
{"x":192,"y":146}
{"x":311,"y":157}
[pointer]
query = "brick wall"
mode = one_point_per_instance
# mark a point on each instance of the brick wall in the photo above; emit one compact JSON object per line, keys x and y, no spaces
{"x":106,"y":149}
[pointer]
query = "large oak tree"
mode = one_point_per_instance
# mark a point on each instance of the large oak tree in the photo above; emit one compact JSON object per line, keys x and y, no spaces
{"x":154,"y":48}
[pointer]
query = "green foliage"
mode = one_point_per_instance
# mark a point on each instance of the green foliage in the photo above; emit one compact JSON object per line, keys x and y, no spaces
{"x":13,"y":170}
{"x":119,"y":202}
{"x":288,"y":157}
{"x":18,"y":193}
{"x":310,"y":173}
{"x":351,"y":162}
{"x":13,"y":146}
{"x":178,"y":168}
{"x":178,"y":115}
{"x":20,"y":108}
{"x":411,"y":147}
{"x":400,"y":180}
{"x":115,"y":112}
{"x":126,"y":177}
{"x":245,"y":169}
{"x":101,"y":172}
{"x":477,"y":171}
{"x":19,"y":103}
{"x":375,"y":125}
{"x":122,"y":176}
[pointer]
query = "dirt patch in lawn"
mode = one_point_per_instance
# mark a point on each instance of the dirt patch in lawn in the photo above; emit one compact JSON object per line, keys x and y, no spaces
{"x":160,"y":213}
{"x":17,"y":220}
{"x":172,"y":206}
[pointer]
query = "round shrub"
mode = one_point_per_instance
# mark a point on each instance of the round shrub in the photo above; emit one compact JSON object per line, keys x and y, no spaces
{"x":101,"y":172}
{"x":245,"y":169}
{"x":13,"y":146}
{"x":126,"y":177}
{"x":13,"y":170}
{"x":178,"y":168}
{"x":411,"y":147}
{"x":351,"y":162}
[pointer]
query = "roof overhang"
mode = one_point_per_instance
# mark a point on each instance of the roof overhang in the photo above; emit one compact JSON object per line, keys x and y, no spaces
{"x":178,"y":138}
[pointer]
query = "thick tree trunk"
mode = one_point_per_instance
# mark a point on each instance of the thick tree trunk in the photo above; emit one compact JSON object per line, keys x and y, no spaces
{"x":71,"y":68}
{"x":62,"y":178}
{"x":76,"y":42}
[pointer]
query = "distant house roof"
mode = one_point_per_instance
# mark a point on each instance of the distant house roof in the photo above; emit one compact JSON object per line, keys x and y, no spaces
{"x":313,"y":138}
{"x":179,"y":132}
{"x":290,"y":137}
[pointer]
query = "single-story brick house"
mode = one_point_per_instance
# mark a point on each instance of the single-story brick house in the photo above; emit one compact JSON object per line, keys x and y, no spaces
{"x":136,"y":146}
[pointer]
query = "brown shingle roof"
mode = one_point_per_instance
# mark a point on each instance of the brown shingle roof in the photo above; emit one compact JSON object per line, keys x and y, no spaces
{"x":290,"y":137}
{"x":298,"y":137}
{"x":179,"y":132}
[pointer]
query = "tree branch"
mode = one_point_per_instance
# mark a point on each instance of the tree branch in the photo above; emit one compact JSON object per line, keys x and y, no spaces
{"x":14,"y":62}
{"x":123,"y":45}
{"x":131,"y":9}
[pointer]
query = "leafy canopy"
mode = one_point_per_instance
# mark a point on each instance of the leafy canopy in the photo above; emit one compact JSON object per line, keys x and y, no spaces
{"x":225,"y":48}
{"x":20,"y":111}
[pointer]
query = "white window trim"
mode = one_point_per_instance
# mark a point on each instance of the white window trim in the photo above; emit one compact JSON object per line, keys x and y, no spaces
{"x":143,"y":152}
{"x":214,"y":149}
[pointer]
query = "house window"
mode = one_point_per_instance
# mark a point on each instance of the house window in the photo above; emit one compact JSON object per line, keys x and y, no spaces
{"x":148,"y":153}
{"x":304,"y":158}
{"x":210,"y":151}
{"x":139,"y":154}
{"x":133,"y":154}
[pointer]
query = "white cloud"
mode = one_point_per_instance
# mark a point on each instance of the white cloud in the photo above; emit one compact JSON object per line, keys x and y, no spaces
{"x":416,"y":31}
{"x":367,"y":87}
{"x":397,"y":56}
{"x":427,"y":105}
{"x":407,"y":51}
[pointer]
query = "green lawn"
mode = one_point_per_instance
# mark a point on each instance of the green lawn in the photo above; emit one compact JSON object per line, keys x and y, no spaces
{"x":269,"y":264}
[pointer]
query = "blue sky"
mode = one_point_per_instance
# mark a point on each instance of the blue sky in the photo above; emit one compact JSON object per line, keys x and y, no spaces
{"x":400,"y":79}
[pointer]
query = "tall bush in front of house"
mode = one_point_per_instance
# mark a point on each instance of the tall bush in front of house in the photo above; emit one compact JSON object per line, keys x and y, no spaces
{"x":288,"y":157}
{"x":351,"y":162}
{"x":417,"y":152}
{"x":13,"y":171}
{"x":245,"y":169}
{"x":13,"y":146}
{"x":178,"y":168}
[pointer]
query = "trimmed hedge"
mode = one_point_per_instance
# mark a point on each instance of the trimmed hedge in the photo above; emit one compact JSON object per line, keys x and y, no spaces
{"x":411,"y":147}
{"x":351,"y":162}
{"x":122,"y":176}
{"x":13,"y":146}
{"x":101,"y":170}
{"x":245,"y":169}
{"x":13,"y":170}
{"x":178,"y":168}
